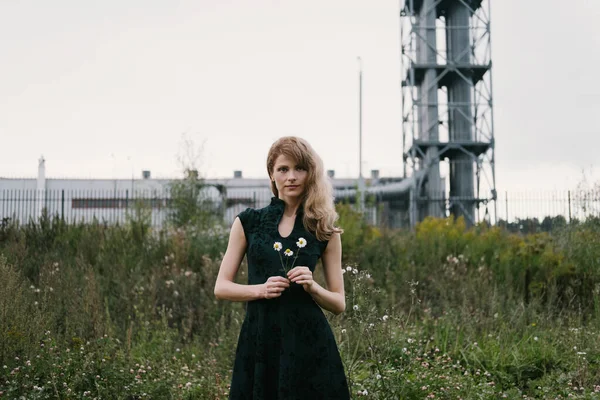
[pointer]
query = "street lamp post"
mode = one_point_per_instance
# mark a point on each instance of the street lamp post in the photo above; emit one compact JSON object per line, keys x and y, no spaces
{"x":361,"y":181}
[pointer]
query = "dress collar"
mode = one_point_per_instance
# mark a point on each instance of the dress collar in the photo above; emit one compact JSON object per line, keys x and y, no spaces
{"x":277,"y":202}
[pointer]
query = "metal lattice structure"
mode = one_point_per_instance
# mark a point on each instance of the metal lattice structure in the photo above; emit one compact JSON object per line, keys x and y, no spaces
{"x":447,"y":112}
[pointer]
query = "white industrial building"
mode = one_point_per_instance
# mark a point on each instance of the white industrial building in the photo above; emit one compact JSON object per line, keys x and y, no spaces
{"x":110,"y":200}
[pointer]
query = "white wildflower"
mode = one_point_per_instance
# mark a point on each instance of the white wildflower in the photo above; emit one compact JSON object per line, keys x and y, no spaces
{"x":301,"y":242}
{"x":288,"y":252}
{"x":277,"y":246}
{"x":355,"y":307}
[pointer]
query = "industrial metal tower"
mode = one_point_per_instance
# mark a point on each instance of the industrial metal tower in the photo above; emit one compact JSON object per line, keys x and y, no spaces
{"x":447,"y":114}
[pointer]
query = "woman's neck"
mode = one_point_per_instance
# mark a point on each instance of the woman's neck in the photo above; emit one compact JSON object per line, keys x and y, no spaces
{"x":291,"y":207}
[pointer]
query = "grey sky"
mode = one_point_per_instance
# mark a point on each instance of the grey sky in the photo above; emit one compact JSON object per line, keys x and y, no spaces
{"x":82,"y":80}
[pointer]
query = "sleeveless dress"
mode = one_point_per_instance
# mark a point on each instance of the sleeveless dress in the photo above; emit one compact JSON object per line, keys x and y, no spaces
{"x":286,"y":349}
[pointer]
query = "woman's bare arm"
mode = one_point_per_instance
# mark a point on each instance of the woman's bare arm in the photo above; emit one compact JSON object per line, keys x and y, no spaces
{"x":333,"y":298}
{"x":226,"y":288}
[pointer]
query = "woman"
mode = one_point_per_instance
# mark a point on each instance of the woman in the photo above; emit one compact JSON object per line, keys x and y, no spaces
{"x":286,"y":349}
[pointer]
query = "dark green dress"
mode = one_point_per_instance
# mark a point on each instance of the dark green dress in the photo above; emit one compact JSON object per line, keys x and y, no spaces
{"x":286,"y":349}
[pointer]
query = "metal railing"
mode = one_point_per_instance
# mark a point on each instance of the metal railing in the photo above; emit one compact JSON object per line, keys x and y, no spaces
{"x":116,"y":206}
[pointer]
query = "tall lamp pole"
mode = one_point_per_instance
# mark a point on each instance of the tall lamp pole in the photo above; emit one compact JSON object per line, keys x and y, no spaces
{"x":361,"y":181}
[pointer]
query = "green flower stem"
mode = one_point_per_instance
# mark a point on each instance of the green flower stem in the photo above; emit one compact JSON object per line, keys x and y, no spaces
{"x":281,"y":259}
{"x":294,"y":262}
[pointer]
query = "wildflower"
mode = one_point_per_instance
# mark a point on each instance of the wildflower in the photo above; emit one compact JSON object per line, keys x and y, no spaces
{"x":385,"y":317}
{"x":277,"y":246}
{"x":378,"y":376}
{"x":355,"y":307}
{"x":535,"y":338}
{"x":343,"y":331}
{"x":355,"y":271}
{"x":348,"y":268}
{"x":188,"y":385}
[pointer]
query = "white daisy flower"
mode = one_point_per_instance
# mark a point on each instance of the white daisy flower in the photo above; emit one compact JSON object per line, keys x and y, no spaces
{"x":355,"y":307}
{"x":301,"y":242}
{"x":348,"y":268}
{"x":277,"y":246}
{"x":288,"y":252}
{"x":385,"y":317}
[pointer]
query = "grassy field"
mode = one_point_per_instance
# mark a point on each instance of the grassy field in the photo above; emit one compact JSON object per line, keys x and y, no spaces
{"x":444,"y":312}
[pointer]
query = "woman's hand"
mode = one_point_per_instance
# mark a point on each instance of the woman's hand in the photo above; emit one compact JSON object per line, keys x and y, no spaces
{"x":273,"y":287}
{"x":302,"y":276}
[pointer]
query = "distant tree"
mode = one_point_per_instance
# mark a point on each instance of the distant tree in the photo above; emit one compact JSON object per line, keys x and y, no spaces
{"x":193,"y":202}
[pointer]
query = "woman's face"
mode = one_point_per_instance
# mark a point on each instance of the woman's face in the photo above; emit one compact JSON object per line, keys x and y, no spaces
{"x":290,"y":178}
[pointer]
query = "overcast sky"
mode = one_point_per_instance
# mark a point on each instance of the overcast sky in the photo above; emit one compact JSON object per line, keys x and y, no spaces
{"x":104,"y":88}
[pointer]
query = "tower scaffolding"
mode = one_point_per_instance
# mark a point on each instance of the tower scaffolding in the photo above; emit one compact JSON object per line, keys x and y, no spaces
{"x":447,"y":108}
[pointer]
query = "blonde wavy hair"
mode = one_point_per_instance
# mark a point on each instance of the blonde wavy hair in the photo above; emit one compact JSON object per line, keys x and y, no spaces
{"x":317,"y":199}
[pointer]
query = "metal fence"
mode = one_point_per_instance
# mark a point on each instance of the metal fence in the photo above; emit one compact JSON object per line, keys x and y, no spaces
{"x":115,"y":206}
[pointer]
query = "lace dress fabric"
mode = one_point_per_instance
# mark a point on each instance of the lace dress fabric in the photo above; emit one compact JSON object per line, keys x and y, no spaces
{"x":286,"y":349}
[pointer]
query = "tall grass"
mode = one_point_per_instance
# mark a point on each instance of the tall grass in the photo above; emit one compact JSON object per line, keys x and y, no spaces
{"x":442,"y":312}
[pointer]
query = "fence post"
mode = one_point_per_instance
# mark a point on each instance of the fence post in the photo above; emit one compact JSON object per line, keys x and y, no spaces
{"x":62,"y":205}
